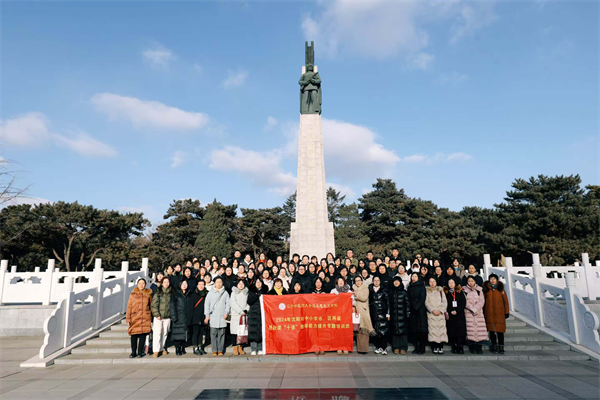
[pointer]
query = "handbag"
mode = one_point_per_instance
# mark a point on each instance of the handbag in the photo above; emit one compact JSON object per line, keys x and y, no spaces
{"x":356,"y":322}
{"x":242,"y":332}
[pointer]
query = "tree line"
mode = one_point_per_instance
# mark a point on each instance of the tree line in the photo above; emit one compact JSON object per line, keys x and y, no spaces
{"x":552,"y":216}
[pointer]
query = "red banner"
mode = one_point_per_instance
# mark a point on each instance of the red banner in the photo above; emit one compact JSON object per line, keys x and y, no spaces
{"x":305,"y":323}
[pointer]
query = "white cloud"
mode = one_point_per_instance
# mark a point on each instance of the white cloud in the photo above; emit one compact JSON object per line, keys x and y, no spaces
{"x":85,"y":145}
{"x":450,"y":79}
{"x":148,"y":114}
{"x":32,"y":130}
{"x":382,"y":28}
{"x":159,"y":57}
{"x":343,"y":189}
{"x":26,"y":130}
{"x":179,"y":158}
{"x":150,"y":213}
{"x":421,"y":61}
{"x":262,"y":168}
{"x":439,"y":157}
{"x":271,"y":123}
{"x":235,"y":78}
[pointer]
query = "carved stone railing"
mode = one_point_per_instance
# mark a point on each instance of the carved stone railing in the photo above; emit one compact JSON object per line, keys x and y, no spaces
{"x":80,"y":315}
{"x":559,"y":309}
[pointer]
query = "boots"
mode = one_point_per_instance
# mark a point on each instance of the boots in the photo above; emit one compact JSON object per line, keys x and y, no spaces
{"x":493,"y":349}
{"x":471,"y":348}
{"x":196,"y":351}
{"x":178,"y":350}
{"x":182,"y":350}
{"x":500,"y":349}
{"x":460,"y":349}
{"x":417,"y":347}
{"x":242,"y":352}
{"x":454,"y":348}
{"x":236,"y":352}
{"x":479,"y":348}
{"x":422,"y":348}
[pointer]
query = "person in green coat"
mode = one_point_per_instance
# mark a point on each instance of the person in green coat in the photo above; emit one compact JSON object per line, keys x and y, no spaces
{"x":161,"y":312}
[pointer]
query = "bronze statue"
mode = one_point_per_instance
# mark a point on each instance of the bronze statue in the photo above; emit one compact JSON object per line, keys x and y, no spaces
{"x":310,"y":84}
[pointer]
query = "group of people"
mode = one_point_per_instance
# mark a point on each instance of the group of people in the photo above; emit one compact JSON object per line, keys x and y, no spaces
{"x":201,"y":304}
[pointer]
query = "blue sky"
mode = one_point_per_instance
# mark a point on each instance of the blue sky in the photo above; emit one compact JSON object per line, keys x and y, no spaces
{"x":131,"y":105}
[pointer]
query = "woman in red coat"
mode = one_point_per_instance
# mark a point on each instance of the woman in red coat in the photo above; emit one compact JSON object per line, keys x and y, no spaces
{"x":496,"y":312}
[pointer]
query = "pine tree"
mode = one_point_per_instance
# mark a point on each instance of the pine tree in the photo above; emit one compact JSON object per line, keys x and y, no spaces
{"x":215,"y":234}
{"x":349,"y":233}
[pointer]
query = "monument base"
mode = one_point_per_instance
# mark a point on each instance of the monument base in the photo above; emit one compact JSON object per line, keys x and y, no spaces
{"x":312,"y":242}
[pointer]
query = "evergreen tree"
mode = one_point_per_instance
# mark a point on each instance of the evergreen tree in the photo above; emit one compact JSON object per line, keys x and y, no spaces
{"x":262,"y":231}
{"x":334,"y":202}
{"x":215,"y":234}
{"x":349,"y":233}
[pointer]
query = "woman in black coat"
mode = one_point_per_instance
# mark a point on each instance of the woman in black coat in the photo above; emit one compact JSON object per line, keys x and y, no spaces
{"x":439,"y":276}
{"x":399,"y":307}
{"x":229,"y":279}
{"x":255,"y":317}
{"x":188,"y":275}
{"x":456,"y":324}
{"x":195,"y":317}
{"x":179,"y":319}
{"x":379,"y":311}
{"x":418,"y":312}
{"x":451,"y":275}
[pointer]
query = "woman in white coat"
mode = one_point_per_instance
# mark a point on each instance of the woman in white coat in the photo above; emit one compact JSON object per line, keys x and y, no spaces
{"x":239,"y":307}
{"x":436,"y":304}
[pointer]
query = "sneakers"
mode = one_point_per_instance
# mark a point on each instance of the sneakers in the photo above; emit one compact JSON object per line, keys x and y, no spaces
{"x":440,"y":351}
{"x":253,"y":353}
{"x":383,"y":352}
{"x":339,"y":352}
{"x":220,"y":353}
{"x":132,"y":355}
{"x":435,"y":350}
{"x":402,"y":352}
{"x":214,"y":354}
{"x":260,"y":353}
{"x":378,"y":351}
{"x":500,"y":349}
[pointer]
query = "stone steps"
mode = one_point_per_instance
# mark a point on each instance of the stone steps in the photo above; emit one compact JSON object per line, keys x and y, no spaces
{"x":509,"y":346}
{"x":522,"y":343}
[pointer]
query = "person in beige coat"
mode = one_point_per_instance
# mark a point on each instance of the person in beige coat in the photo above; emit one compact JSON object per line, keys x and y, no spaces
{"x":361,"y":296}
{"x":436,"y":305}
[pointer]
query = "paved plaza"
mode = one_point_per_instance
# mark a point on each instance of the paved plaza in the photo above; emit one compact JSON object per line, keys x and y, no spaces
{"x":466,"y":379}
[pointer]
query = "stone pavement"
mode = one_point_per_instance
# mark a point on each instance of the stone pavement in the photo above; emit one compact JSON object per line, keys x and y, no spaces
{"x":466,"y":379}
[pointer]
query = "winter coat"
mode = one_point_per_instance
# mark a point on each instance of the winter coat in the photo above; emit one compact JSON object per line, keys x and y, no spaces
{"x":179,"y":319}
{"x":418,"y":313}
{"x":229,"y":282}
{"x":456,"y":324}
{"x":478,"y":279}
{"x":476,"y":330}
{"x":254,"y":316}
{"x":496,"y":307}
{"x":195,"y":302}
{"x":399,"y":308}
{"x":436,"y":301}
{"x":361,"y":296}
{"x":460,"y":273}
{"x":378,"y":309}
{"x":139,"y":314}
{"x":216,"y":307}
{"x":239,"y":306}
{"x":272,"y":291}
{"x":405,"y":280}
{"x":161,"y":303}
{"x":306,"y":280}
{"x":175,"y":279}
{"x":440,"y":280}
{"x":192,"y":283}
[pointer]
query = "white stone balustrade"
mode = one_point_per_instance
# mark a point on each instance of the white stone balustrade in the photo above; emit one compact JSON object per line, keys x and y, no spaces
{"x":49,"y":286}
{"x":556,"y":304}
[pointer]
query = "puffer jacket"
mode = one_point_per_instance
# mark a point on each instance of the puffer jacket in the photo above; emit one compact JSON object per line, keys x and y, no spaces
{"x":456,"y":324}
{"x":496,"y":307}
{"x":476,"y":330}
{"x":179,"y":315}
{"x":216,"y":307}
{"x":139,"y":316}
{"x":418,"y":313}
{"x":436,"y":301}
{"x":161,"y":303}
{"x":254,"y":315}
{"x":399,"y":308}
{"x":379,"y":311}
{"x":239,"y":306}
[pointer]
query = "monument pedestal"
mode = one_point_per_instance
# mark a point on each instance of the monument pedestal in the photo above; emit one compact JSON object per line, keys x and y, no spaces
{"x":312,"y":233}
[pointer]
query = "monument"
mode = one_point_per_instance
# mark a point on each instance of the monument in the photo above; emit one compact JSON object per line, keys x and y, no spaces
{"x":312,"y":233}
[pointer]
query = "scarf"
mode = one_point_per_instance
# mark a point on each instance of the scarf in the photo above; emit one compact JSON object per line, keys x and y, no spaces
{"x":494,"y":286}
{"x":278,"y":291}
{"x":451,"y":290}
{"x":342,"y":289}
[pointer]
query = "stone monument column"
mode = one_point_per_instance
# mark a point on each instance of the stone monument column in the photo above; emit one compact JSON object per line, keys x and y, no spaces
{"x":312,"y":233}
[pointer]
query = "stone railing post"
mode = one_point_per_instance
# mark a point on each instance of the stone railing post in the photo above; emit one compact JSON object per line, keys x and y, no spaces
{"x":70,"y":300}
{"x":3,"y":268}
{"x":145,"y":269}
{"x":537,"y":292}
{"x":486,"y":264}
{"x":570,"y":289}
{"x":98,"y":278}
{"x":13,"y":269}
{"x":509,"y":283}
{"x":125,"y":270}
{"x":49,"y":284}
{"x":591,"y":278}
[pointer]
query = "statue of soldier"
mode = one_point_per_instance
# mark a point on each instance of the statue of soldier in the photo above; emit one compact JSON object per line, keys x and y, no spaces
{"x":310,"y":91}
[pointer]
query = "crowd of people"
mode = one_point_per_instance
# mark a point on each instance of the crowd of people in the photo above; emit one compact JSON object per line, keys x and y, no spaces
{"x":201,"y":303}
